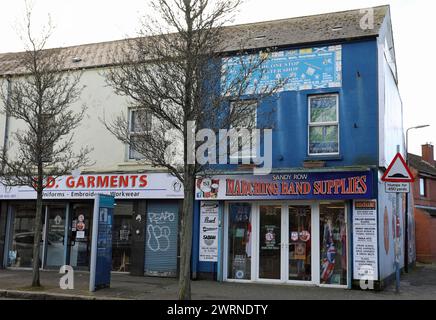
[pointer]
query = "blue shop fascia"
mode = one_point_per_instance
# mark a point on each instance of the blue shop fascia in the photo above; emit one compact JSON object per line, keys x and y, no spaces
{"x":322,"y":216}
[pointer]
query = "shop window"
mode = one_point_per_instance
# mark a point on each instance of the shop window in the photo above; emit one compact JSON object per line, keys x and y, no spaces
{"x":333,"y":244}
{"x":422,"y":187}
{"x":244,"y":116}
{"x":20,"y":253}
{"x":140,"y":125}
{"x":323,"y":125}
{"x":239,"y":240}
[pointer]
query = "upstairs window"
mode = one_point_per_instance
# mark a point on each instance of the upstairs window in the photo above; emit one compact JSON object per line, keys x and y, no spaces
{"x":140,"y":125}
{"x":422,"y":189}
{"x":323,"y":125}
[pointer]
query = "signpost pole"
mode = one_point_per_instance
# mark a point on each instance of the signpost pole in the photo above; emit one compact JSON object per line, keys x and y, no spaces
{"x":397,"y":242}
{"x":397,"y":178}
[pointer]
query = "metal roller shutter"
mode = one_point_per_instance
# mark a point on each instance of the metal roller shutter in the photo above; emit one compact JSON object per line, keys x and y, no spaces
{"x":161,"y":238}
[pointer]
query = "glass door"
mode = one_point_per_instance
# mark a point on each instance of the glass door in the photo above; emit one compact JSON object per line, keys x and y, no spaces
{"x":299,"y":243}
{"x":81,"y":228}
{"x":55,"y":236}
{"x":270,"y":242}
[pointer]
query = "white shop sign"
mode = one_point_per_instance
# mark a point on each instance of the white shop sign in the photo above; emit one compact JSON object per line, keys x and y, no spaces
{"x":121,"y":186}
{"x":208,"y":231}
{"x":365,"y":259}
{"x":395,"y":187}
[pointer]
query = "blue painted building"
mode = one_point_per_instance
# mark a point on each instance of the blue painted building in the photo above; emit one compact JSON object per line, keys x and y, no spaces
{"x":321,"y":217}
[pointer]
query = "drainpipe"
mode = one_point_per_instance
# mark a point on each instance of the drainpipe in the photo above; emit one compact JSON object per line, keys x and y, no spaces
{"x":6,"y":132}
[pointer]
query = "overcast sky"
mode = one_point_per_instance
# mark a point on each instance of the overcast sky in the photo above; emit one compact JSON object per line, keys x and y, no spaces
{"x":86,"y":21}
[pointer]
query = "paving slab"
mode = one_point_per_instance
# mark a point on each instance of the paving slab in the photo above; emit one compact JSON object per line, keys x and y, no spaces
{"x":420,"y":283}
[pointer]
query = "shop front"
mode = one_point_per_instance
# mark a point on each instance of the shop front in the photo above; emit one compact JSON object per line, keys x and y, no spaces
{"x":281,"y":228}
{"x":67,"y":221}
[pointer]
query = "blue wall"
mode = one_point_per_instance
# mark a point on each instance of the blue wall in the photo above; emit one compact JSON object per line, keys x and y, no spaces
{"x":358,"y":123}
{"x":358,"y":114}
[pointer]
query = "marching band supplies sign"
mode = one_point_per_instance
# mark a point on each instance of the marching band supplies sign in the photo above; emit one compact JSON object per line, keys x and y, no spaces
{"x":209,"y":231}
{"x":288,"y":186}
{"x":121,"y":186}
{"x":365,"y":239}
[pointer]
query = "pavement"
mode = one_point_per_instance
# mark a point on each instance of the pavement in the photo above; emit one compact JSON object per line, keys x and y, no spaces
{"x":420,"y":283}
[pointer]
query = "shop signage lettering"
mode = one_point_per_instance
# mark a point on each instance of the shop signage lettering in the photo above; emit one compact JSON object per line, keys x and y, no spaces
{"x":121,"y":186}
{"x":365,"y":240}
{"x":304,"y":69}
{"x":345,"y":185}
{"x":209,"y":231}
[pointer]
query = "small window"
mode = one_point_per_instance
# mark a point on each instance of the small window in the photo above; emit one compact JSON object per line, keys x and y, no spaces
{"x":244,"y":116}
{"x":323,"y":125}
{"x":140,"y":125}
{"x":422,"y":191}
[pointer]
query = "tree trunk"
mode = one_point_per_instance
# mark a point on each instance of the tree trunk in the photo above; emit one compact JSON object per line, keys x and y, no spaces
{"x":186,"y":238}
{"x":37,"y":240}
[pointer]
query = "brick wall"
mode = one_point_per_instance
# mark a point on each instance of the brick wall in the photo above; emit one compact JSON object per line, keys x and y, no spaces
{"x":425,"y":224}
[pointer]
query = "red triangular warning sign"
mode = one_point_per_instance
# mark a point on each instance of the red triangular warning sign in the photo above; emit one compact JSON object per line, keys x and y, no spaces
{"x":398,"y":171}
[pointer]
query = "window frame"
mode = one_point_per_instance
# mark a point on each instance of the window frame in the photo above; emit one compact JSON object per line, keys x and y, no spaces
{"x":422,"y":187}
{"x":311,"y":124}
{"x":133,"y":133}
{"x":255,"y":102}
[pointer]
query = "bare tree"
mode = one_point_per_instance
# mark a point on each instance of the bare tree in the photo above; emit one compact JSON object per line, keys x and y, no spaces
{"x":41,"y":99}
{"x":178,"y":78}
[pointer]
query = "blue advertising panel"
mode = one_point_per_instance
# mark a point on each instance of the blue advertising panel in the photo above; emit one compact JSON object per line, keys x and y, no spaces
{"x":288,"y":186}
{"x":303,"y":69}
{"x":101,"y":253}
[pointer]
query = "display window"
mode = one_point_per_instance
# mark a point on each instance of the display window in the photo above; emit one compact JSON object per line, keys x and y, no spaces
{"x":292,"y":242}
{"x":20,"y":253}
{"x":239,"y":241}
{"x":333,"y":244}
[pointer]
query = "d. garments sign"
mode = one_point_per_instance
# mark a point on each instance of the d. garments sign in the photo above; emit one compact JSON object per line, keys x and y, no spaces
{"x":291,"y":186}
{"x":121,"y":186}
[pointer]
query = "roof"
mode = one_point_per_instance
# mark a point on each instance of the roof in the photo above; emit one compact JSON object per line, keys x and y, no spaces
{"x":421,"y":165}
{"x":328,"y":27}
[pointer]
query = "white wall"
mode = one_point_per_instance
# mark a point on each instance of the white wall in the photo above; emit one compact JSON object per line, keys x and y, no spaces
{"x":391,"y":129}
{"x":109,"y":154}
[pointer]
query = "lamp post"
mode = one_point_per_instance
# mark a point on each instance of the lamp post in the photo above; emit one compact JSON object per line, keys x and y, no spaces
{"x":406,"y":216}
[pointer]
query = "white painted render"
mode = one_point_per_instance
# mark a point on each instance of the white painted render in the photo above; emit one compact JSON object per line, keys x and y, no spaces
{"x":109,"y":154}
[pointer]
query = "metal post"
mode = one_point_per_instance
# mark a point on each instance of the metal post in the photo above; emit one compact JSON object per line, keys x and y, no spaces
{"x":406,"y":215}
{"x":397,"y":240}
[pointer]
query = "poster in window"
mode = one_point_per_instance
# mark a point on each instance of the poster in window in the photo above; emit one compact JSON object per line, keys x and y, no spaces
{"x":209,"y":231}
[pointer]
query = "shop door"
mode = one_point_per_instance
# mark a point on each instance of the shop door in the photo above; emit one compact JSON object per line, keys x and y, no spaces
{"x":285,"y":243}
{"x":298,"y":243}
{"x":270,"y":242}
{"x":55,"y":236}
{"x":81,"y":237}
{"x":161,"y":238}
